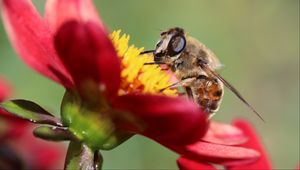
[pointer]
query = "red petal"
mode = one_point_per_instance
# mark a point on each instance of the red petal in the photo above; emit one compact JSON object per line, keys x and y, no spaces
{"x":33,"y":40}
{"x":187,"y":164}
{"x":61,"y":11}
{"x":89,"y":55}
{"x":225,"y":134}
{"x":165,"y":119}
{"x":215,"y":153}
{"x":253,"y":143}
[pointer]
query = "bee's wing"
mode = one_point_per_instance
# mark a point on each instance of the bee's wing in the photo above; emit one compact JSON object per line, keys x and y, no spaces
{"x":215,"y":62}
{"x":231,"y":88}
{"x":219,"y":66}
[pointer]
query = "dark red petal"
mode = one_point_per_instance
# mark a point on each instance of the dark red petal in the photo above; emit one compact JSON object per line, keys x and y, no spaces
{"x":165,"y":119}
{"x":187,"y":164}
{"x":59,"y":12}
{"x":225,"y":134}
{"x":89,"y":56}
{"x":253,"y":143}
{"x":33,"y":40}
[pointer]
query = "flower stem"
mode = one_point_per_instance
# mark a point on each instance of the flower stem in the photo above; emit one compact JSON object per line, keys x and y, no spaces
{"x":80,"y":156}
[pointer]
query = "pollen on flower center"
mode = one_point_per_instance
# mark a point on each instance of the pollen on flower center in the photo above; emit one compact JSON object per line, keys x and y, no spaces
{"x":137,"y":77}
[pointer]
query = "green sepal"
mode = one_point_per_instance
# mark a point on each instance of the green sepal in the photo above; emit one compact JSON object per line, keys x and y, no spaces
{"x":116,"y":139}
{"x":30,"y":111}
{"x":94,"y":124}
{"x":54,"y":133}
{"x":80,"y":156}
{"x":84,"y":121}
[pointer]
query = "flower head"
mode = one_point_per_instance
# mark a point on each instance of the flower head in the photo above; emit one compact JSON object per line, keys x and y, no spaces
{"x":72,"y":48}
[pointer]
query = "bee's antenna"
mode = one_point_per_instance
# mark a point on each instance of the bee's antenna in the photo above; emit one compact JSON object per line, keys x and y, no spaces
{"x":148,"y":51}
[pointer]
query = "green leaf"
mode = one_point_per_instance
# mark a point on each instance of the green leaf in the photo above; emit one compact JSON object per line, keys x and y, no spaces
{"x":30,"y":111}
{"x":80,"y":156}
{"x":54,"y":133}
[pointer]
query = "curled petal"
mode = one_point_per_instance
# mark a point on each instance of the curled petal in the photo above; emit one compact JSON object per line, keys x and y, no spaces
{"x":165,"y":119}
{"x":33,"y":40}
{"x":216,"y":153}
{"x":61,"y":11}
{"x":187,"y":164}
{"x":89,"y":56}
{"x":225,"y":134}
{"x":253,"y":143}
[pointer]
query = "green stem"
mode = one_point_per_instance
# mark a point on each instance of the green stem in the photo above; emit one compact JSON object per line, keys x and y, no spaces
{"x":81,"y":157}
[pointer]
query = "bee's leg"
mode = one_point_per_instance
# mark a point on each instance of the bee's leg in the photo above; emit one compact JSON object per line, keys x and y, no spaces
{"x":184,"y":82}
{"x":189,"y":93}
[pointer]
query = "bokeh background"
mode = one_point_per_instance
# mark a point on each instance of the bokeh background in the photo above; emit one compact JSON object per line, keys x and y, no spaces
{"x":257,"y":41}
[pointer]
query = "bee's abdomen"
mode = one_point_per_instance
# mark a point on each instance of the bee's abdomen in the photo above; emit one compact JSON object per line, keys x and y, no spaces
{"x":208,"y":93}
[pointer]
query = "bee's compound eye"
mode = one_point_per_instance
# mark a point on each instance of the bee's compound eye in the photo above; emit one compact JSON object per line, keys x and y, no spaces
{"x":159,"y":52}
{"x":176,"y":45}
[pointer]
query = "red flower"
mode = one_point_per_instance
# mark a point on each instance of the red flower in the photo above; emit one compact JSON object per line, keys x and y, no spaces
{"x":86,"y":55}
{"x":71,"y":47}
{"x":19,"y":148}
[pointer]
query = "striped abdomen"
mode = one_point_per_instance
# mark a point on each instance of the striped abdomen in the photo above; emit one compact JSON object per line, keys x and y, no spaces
{"x":208,"y":93}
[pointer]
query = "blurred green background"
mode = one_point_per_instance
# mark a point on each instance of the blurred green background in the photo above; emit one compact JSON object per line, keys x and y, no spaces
{"x":257,"y":41}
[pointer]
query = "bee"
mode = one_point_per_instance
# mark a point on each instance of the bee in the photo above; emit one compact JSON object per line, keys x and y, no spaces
{"x":195,"y":66}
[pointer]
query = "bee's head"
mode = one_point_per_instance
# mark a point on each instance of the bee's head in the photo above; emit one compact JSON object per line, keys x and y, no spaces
{"x":170,"y":45}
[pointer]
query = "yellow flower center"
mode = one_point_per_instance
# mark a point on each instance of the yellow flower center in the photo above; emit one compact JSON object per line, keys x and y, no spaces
{"x":137,"y":77}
